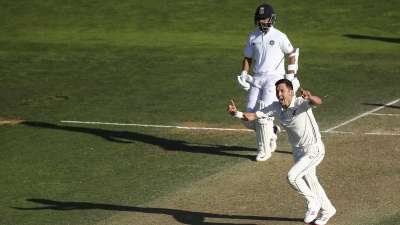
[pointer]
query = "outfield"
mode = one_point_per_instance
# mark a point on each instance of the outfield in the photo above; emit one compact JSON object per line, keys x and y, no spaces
{"x":173,"y":63}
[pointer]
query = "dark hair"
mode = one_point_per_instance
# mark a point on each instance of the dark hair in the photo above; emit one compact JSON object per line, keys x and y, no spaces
{"x":284,"y":81}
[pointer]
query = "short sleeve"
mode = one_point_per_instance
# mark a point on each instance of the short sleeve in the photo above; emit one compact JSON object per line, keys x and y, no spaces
{"x":248,"y":50}
{"x":303,"y":103}
{"x":271,"y":109}
{"x":286,"y":46}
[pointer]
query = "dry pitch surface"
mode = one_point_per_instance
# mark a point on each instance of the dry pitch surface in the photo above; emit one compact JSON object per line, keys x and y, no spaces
{"x":360,"y":173}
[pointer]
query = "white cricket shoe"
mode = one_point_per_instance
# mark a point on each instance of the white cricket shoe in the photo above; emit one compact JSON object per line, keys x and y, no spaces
{"x":312,"y":213}
{"x":276,"y":131}
{"x":263,"y":156}
{"x":325,"y":216}
{"x":310,"y":216}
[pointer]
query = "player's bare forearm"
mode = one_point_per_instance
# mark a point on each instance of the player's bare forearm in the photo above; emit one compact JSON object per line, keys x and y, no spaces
{"x":246,"y":64}
{"x":249,"y":116}
{"x":315,"y":100}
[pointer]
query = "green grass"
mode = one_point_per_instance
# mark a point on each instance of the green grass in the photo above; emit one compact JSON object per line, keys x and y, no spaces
{"x":390,"y":220}
{"x":163,"y":63}
{"x":100,"y":165}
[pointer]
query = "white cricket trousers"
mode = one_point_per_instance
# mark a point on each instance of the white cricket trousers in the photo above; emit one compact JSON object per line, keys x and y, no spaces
{"x":302,"y":176}
{"x":267,"y":92}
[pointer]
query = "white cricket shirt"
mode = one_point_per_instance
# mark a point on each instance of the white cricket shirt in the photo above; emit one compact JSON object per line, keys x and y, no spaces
{"x":298,"y":121}
{"x":267,"y":51}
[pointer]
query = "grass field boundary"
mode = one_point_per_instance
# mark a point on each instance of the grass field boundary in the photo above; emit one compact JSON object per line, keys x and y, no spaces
{"x":362,"y":115}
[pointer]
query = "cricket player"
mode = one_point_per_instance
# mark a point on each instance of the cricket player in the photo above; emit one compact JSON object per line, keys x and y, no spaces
{"x":266,"y":51}
{"x":295,"y":115}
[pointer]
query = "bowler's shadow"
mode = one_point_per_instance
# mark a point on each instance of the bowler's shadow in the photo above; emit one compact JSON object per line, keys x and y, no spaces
{"x":166,"y":144}
{"x":382,"y":104}
{"x":182,"y":216}
{"x":375,"y":38}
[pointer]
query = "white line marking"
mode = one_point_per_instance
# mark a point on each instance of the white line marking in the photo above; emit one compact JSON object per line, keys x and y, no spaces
{"x":384,"y":114}
{"x":382,"y":134}
{"x":330,"y":130}
{"x":337,"y":132}
{"x":212,"y":128}
{"x":362,"y":115}
{"x":366,"y":133}
{"x":156,"y":126}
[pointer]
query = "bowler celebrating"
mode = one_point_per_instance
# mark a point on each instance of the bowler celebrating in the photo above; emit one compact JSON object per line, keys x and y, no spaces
{"x":295,"y":115}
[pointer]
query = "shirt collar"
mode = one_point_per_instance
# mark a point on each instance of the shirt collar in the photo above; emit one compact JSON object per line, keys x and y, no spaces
{"x":291,"y":103}
{"x":269,"y":31}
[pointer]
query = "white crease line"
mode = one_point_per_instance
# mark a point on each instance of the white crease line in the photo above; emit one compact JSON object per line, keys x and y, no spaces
{"x":211,"y":128}
{"x":382,"y":134}
{"x":156,"y":126}
{"x":384,"y":114}
{"x":362,"y":115}
{"x":366,"y":133}
{"x":337,"y":132}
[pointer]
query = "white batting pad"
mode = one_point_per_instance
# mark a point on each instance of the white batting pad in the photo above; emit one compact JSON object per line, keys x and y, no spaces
{"x":264,"y":129}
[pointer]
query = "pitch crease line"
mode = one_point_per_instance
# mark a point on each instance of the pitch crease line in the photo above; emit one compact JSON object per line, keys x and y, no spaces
{"x":337,"y":132}
{"x":382,"y":134}
{"x":384,"y":114}
{"x":179,"y":127}
{"x":156,"y":126}
{"x":362,"y":115}
{"x":211,"y":128}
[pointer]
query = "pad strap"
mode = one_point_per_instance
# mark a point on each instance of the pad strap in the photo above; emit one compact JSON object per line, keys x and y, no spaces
{"x":289,"y":76}
{"x":292,"y":67}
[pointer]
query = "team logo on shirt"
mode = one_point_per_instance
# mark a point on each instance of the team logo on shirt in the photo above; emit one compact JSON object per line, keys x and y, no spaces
{"x":271,"y":42}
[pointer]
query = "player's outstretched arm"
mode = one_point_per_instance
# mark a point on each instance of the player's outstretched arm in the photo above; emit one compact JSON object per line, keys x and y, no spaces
{"x":244,"y":116}
{"x":315,"y":100}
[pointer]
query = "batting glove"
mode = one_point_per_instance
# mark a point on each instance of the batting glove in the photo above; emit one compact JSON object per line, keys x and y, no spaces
{"x":243,"y":80}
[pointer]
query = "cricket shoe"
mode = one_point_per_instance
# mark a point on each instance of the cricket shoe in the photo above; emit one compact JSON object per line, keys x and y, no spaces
{"x":311,"y":214}
{"x":325,"y":216}
{"x":274,"y":138}
{"x":263,"y":156}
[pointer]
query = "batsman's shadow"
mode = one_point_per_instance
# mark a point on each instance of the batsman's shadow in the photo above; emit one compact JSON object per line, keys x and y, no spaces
{"x":166,"y":144}
{"x":182,"y":216}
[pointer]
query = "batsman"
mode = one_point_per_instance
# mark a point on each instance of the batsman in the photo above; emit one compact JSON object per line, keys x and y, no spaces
{"x":266,"y":51}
